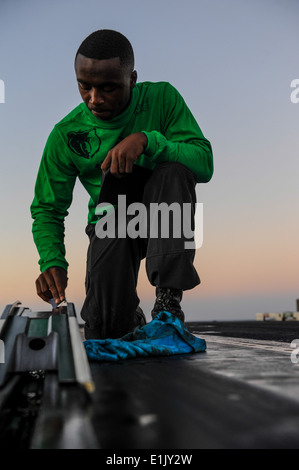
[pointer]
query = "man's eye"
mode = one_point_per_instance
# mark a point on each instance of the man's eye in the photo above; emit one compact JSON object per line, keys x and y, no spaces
{"x":109,"y":89}
{"x":83,"y":86}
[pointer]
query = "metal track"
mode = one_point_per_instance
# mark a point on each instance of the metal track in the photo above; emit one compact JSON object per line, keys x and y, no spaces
{"x":44,"y":353}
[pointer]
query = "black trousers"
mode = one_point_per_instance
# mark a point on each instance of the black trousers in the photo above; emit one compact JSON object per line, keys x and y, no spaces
{"x":109,"y":310}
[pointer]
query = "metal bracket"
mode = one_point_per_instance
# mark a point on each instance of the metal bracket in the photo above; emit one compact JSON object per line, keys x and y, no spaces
{"x":49,"y":341}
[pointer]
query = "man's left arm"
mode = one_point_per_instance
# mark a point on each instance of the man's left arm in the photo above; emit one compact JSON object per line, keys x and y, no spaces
{"x":182,"y":139}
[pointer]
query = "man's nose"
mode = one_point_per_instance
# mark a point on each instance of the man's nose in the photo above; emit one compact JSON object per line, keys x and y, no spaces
{"x":96,"y":96}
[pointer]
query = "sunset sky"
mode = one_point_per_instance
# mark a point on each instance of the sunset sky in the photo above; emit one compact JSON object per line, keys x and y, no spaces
{"x":233,"y":61}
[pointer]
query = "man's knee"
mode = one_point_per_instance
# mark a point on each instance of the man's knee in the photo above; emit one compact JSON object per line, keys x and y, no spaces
{"x":174,"y":168}
{"x":170,"y":181}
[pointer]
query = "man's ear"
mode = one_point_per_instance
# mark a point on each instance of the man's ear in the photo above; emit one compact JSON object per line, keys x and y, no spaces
{"x":133,"y":79}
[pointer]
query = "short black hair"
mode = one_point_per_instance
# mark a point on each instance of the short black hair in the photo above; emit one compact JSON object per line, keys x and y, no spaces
{"x":107,"y":44}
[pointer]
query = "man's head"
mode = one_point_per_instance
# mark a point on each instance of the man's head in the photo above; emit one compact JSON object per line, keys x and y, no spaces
{"x":104,"y":69}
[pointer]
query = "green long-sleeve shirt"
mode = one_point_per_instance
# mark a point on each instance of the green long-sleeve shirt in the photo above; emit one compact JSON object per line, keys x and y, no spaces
{"x":79,"y":143}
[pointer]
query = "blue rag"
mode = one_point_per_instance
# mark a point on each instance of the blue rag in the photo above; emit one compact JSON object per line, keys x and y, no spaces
{"x":166,"y":335}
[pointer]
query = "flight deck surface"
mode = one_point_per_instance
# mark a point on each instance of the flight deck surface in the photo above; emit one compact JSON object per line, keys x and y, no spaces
{"x":241,"y":393}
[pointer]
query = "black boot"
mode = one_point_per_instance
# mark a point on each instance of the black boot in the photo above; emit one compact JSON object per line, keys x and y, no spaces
{"x":168,"y":300}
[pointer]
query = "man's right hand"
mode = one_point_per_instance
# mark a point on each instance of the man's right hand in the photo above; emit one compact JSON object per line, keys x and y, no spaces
{"x":120,"y":159}
{"x":52,"y":284}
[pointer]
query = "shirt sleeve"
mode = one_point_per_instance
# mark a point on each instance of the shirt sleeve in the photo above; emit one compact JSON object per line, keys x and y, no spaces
{"x":53,"y":195}
{"x":182,"y":139}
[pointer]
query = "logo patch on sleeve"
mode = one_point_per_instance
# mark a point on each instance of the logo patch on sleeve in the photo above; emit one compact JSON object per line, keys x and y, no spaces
{"x":84,"y":143}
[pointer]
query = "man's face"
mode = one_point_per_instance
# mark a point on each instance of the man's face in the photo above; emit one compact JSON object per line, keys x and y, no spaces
{"x":105,"y":85}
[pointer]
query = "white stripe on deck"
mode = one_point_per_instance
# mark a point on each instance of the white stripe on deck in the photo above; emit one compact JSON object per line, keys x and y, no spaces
{"x":249,"y":343}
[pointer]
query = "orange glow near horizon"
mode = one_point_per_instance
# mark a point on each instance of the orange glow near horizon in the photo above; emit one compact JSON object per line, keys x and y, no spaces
{"x":224,"y":271}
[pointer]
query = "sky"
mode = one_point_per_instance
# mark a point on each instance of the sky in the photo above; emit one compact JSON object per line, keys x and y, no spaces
{"x":233,"y":61}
